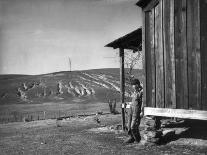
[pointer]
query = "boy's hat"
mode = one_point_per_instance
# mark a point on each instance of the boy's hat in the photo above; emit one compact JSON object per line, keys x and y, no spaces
{"x":135,"y":82}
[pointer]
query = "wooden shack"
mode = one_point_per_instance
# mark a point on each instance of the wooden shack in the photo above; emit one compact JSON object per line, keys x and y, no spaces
{"x":174,"y":44}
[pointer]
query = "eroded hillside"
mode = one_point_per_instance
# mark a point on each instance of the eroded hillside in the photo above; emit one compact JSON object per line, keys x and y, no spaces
{"x":76,"y":86}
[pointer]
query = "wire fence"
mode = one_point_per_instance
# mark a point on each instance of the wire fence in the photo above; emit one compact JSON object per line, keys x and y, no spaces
{"x":15,"y":116}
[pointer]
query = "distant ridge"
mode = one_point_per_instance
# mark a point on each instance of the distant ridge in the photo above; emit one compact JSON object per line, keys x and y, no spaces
{"x":64,"y":86}
{"x":11,"y":76}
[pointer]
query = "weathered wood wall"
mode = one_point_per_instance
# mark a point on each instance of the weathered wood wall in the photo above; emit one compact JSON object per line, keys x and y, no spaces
{"x":150,"y":55}
{"x":169,"y":53}
{"x":159,"y":96}
{"x":181,"y":54}
{"x":176,"y":54}
{"x":203,"y":48}
{"x":193,"y":48}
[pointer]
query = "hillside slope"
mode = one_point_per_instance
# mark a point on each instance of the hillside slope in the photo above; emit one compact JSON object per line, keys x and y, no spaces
{"x":75,"y":86}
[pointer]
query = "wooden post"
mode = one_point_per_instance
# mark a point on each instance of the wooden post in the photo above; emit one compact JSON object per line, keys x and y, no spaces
{"x":44,"y":113}
{"x":122,"y":84}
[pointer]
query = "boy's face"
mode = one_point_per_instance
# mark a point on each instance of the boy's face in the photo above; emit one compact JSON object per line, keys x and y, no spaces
{"x":135,"y":87}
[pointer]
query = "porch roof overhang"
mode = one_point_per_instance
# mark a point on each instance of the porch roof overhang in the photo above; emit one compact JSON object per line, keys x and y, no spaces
{"x":131,"y":41}
{"x":143,"y":3}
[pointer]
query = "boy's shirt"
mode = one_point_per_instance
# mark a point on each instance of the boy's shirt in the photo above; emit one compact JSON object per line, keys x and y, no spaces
{"x":136,"y":104}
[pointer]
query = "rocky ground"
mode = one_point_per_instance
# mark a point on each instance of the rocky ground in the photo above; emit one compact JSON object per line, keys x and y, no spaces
{"x":96,"y":134}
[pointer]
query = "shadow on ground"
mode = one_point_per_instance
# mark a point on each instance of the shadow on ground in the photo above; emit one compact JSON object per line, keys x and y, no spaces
{"x":195,"y":129}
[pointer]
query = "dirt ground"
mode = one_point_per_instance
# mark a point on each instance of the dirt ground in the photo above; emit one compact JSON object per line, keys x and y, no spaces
{"x":99,"y":134}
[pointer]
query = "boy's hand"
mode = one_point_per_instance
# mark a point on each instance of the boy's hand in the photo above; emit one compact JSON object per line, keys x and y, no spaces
{"x":141,"y":114}
{"x":129,"y":131}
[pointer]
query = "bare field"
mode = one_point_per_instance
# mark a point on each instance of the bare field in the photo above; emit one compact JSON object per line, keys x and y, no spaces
{"x":48,"y":110}
{"x":83,"y":135}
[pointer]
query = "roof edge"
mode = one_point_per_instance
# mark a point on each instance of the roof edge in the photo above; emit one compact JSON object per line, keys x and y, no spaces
{"x":142,"y":3}
{"x":128,"y":41}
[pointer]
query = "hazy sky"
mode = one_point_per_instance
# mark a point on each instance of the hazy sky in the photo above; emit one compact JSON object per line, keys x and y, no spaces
{"x":38,"y":36}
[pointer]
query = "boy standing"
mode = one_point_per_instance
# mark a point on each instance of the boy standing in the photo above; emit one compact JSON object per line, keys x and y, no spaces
{"x":135,"y":112}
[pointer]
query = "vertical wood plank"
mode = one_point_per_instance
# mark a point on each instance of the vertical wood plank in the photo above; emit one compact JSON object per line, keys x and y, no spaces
{"x":149,"y":54}
{"x":193,"y":46}
{"x":159,"y":56}
{"x":181,"y":79}
{"x":203,"y":39}
{"x":144,"y":58}
{"x":148,"y":60}
{"x":169,"y":61}
{"x":152,"y":53}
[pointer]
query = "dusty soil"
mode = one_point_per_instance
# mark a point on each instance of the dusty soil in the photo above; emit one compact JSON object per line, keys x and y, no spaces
{"x":100,"y":134}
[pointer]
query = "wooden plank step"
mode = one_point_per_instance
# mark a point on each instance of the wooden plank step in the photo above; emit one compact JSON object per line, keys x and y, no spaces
{"x":178,"y":113}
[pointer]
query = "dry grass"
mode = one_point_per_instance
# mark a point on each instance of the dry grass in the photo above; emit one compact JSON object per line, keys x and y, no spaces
{"x":31,"y":112}
{"x":84,"y":136}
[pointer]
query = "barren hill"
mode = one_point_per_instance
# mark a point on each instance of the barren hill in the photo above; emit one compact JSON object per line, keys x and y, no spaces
{"x":75,"y":86}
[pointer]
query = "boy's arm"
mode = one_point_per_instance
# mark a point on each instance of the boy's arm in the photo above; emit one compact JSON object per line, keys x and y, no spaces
{"x":142,"y":106}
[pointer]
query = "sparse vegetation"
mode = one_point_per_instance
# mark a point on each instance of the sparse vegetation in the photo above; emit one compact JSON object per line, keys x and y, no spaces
{"x":131,"y":60}
{"x":112,"y":106}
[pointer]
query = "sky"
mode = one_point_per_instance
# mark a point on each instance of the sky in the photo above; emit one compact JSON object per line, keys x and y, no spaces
{"x":39,"y":36}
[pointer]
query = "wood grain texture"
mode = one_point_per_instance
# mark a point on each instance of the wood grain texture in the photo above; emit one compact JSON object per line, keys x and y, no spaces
{"x":178,"y":113}
{"x":144,"y":58}
{"x":148,"y":60}
{"x":149,"y":54}
{"x":169,"y":61}
{"x":152,"y":53}
{"x":193,"y":46}
{"x":159,"y":57}
{"x":181,"y":78}
{"x":203,"y":39}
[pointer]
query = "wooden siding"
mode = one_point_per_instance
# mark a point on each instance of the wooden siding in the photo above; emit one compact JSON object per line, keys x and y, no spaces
{"x":159,"y":57}
{"x":181,"y":55}
{"x":150,"y":56}
{"x":176,"y":54}
{"x":203,"y":39}
{"x":169,"y":61}
{"x":193,"y":47}
{"x":143,"y":58}
{"x":153,"y":61}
